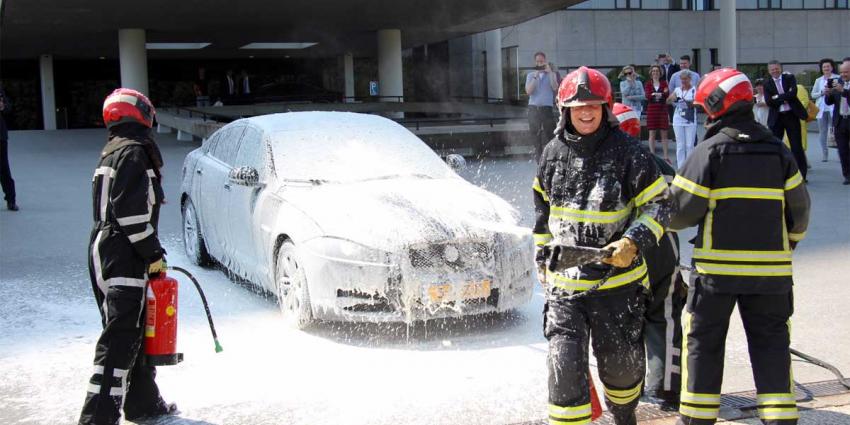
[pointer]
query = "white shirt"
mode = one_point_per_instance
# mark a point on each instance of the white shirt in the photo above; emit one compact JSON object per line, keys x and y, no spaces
{"x":818,"y":90}
{"x":781,"y":90}
{"x":683,"y":114}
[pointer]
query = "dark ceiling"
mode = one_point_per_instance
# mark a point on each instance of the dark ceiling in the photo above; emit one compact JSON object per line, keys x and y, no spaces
{"x":88,"y":28}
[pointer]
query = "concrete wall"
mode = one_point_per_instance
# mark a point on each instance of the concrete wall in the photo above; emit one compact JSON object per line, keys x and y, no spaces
{"x":615,"y":37}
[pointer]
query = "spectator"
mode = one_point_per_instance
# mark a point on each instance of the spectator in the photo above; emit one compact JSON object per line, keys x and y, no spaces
{"x":201,"y":87}
{"x":684,"y":118}
{"x":674,"y":81}
{"x":631,"y":89}
{"x":827,"y":66}
{"x":805,"y":100}
{"x":656,"y":114}
{"x":760,"y":108}
{"x":786,"y":111}
{"x":839,"y":96}
{"x":541,"y":85}
{"x":244,"y":83}
{"x":5,"y":172}
{"x":668,"y":68}
{"x":230,"y":85}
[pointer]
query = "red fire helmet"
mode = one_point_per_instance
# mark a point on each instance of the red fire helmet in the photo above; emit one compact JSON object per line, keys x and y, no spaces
{"x":585,"y":86}
{"x":127,"y":105}
{"x":628,"y":118}
{"x":719,"y":90}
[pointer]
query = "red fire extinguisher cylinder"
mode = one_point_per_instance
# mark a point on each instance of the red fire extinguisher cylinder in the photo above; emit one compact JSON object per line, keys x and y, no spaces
{"x":161,"y":322}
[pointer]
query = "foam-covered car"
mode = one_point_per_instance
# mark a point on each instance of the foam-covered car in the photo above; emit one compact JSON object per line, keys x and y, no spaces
{"x":351,"y":217}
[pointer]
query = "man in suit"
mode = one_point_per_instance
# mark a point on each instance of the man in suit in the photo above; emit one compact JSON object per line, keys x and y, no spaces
{"x":839,"y":95}
{"x":668,"y":68}
{"x":785,"y":111}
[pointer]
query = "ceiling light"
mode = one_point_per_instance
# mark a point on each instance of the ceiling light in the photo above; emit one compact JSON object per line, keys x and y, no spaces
{"x":279,"y":46}
{"x":176,"y":46}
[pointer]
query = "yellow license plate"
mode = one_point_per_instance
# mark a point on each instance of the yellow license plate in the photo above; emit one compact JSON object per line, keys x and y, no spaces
{"x":445,"y":292}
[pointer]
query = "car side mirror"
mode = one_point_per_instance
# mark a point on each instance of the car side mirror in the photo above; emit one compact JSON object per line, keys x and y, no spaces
{"x":456,"y":162}
{"x":244,"y":176}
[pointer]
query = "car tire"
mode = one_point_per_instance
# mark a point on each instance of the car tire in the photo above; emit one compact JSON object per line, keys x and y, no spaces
{"x":193,"y":238}
{"x":291,"y":284}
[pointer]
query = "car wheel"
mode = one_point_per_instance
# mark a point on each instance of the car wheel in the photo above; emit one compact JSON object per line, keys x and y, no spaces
{"x":292,"y":294}
{"x":193,"y":239}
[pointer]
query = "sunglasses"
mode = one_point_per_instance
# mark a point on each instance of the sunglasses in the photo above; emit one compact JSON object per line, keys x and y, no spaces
{"x":629,"y":73}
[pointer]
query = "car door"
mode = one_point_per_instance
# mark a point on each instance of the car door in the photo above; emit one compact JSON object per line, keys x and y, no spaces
{"x":242,"y":202}
{"x":213,"y":193}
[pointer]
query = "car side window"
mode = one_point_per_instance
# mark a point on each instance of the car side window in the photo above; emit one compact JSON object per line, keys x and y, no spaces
{"x":251,"y":151}
{"x":227,"y":144}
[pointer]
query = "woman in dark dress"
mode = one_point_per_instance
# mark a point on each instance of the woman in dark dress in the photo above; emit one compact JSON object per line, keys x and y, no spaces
{"x":657,"y":120}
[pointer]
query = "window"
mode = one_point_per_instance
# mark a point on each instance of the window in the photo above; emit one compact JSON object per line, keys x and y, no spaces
{"x":628,"y":4}
{"x":510,"y":74}
{"x":792,"y":4}
{"x":251,"y":150}
{"x":227,"y":143}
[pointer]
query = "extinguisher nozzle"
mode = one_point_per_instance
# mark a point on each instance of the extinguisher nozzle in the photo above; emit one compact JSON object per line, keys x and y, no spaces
{"x":218,"y":348}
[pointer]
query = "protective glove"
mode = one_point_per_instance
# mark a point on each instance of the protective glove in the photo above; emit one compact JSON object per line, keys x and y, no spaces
{"x":625,"y":251}
{"x":157,"y":267}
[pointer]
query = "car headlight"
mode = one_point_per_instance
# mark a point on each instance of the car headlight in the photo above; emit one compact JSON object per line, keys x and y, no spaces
{"x":339,"y":249}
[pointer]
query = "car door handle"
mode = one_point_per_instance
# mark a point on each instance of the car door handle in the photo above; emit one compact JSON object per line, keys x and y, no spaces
{"x":199,"y":171}
{"x":226,"y":186}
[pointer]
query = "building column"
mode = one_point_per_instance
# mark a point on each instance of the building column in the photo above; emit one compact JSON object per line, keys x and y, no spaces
{"x":494,"y":64}
{"x":728,"y":53}
{"x":389,"y":65}
{"x":348,"y":72}
{"x":48,"y":92}
{"x":134,"y":59}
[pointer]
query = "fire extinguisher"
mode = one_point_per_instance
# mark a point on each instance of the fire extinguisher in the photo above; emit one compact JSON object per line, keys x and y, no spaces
{"x":161,"y":319}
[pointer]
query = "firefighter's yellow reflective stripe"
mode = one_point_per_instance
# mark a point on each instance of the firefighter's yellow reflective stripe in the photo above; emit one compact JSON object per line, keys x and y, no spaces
{"x":708,"y":228}
{"x":700,"y":398}
{"x":559,"y":415}
{"x":588,"y":216}
{"x":778,"y":413}
{"x":537,"y":188}
{"x":796,"y":237}
{"x":775,"y":398}
{"x":748,"y":193}
{"x":709,"y":413}
{"x":653,"y":225}
{"x":691,"y":187}
{"x":722,"y":254}
{"x":794,"y":181}
{"x":542,"y":238}
{"x":623,"y":396}
{"x":651,"y":192}
{"x":743,"y":269}
{"x":634,"y":275}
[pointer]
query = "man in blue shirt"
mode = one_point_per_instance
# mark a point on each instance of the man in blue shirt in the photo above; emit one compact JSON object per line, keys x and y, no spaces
{"x":541,"y":84}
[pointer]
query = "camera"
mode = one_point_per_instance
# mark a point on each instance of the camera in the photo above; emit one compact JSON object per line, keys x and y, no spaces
{"x":831,"y":82}
{"x":540,"y":67}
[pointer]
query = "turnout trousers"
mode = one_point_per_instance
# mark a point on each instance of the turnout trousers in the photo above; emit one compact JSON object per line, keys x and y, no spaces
{"x":613,"y":321}
{"x":120,"y":379}
{"x":663,"y":328}
{"x":766,"y":323}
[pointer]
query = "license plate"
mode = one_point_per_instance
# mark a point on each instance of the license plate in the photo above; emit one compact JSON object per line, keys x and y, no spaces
{"x":446,"y":292}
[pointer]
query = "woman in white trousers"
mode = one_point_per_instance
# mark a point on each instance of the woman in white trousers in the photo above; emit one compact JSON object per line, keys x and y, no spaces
{"x":684,"y":118}
{"x":825,"y":111}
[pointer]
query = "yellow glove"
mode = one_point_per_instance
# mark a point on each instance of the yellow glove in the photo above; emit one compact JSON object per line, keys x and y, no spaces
{"x":157,"y":267}
{"x":624,"y":253}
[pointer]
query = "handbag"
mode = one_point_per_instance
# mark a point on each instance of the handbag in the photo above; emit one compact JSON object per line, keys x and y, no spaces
{"x":830,"y":138}
{"x":812,"y":112}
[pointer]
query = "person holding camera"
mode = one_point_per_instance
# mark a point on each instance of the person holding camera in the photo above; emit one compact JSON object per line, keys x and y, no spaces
{"x":684,"y":117}
{"x":541,"y":86}
{"x":819,"y":89}
{"x":631,"y":89}
{"x":838,"y":95}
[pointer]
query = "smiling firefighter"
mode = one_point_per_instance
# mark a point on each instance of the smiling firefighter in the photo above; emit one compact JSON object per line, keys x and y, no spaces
{"x":596,"y":187}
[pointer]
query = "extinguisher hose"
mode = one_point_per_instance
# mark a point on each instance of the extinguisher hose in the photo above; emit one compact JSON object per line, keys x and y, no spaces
{"x":218,"y":348}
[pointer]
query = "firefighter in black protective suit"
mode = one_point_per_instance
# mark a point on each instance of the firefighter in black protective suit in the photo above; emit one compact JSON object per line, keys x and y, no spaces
{"x":663,"y":328}
{"x":742,"y":187}
{"x":123,"y":251}
{"x":596,"y":187}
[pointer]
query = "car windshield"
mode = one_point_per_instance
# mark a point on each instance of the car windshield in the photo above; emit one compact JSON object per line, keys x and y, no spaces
{"x":363,"y":153}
